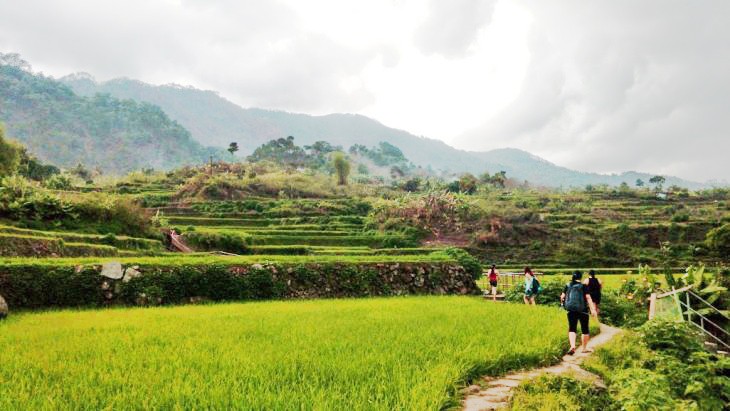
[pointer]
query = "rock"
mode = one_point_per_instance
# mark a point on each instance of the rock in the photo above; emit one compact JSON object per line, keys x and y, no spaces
{"x":4,"y":311}
{"x":472,"y":389}
{"x":130,"y":273}
{"x":112,"y":270}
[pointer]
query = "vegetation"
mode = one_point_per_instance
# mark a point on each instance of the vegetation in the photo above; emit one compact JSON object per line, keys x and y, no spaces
{"x":342,"y":167}
{"x":100,"y":131}
{"x":404,"y":353}
{"x":665,"y":367}
{"x":213,"y":120}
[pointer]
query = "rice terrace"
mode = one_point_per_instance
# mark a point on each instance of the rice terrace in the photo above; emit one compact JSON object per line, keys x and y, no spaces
{"x":165,"y":248}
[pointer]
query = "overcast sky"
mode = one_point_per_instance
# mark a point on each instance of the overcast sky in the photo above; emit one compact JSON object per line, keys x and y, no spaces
{"x":603,"y":86}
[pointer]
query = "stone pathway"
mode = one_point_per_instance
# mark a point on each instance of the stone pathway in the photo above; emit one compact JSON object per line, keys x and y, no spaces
{"x":498,"y":392}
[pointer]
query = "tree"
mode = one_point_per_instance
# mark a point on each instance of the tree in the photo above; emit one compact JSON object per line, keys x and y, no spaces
{"x":467,"y":183}
{"x":412,"y":184}
{"x":485,"y":178}
{"x":282,"y":151}
{"x":718,"y":239}
{"x":639,"y":182}
{"x":233,"y":147}
{"x":9,"y":155}
{"x":342,"y":167}
{"x":658,"y":181}
{"x":396,"y":172}
{"x":498,"y":179}
{"x":81,"y":172}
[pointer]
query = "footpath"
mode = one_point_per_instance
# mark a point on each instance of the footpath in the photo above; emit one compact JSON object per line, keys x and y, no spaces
{"x":497,"y":392}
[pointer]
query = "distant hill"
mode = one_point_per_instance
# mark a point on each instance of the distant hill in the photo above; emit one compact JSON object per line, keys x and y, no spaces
{"x":213,"y":120}
{"x":63,"y":128}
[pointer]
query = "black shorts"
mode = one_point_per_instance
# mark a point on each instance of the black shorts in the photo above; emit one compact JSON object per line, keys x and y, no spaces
{"x":493,"y":283}
{"x":596,"y":298}
{"x":573,"y":318}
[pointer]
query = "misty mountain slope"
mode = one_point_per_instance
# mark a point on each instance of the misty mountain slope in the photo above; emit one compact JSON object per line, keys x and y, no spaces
{"x":65,"y":129}
{"x":213,"y":120}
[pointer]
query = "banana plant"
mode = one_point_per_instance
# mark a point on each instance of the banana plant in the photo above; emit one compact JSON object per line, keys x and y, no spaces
{"x":711,"y":287}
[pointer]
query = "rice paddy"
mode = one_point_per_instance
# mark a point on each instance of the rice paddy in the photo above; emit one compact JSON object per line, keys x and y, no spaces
{"x":398,"y":353}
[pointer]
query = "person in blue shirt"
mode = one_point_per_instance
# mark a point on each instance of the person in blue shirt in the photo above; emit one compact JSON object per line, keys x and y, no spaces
{"x":530,"y":289}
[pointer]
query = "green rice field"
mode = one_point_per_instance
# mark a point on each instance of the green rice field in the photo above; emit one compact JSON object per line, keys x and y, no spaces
{"x":398,"y":353}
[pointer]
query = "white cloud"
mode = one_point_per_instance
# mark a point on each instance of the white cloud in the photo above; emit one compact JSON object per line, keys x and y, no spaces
{"x":599,"y":86}
{"x":621,"y":85}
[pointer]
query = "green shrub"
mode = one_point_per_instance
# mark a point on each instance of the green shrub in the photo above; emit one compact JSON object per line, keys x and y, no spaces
{"x":718,"y":239}
{"x":554,"y":392}
{"x":619,"y":311}
{"x":58,"y":182}
{"x":676,"y":338}
{"x":641,"y":389}
{"x":470,"y":264}
{"x":672,"y":377}
{"x":237,"y":243}
{"x":550,"y":294}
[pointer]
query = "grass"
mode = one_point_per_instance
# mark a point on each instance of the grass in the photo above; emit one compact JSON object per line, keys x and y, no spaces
{"x":207,"y":259}
{"x":397,"y":353}
{"x":611,"y":280}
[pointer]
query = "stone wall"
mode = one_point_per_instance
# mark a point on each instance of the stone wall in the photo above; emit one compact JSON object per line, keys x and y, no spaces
{"x":37,"y":286}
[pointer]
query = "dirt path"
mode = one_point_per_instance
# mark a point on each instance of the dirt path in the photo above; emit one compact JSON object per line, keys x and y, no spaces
{"x":498,"y":391}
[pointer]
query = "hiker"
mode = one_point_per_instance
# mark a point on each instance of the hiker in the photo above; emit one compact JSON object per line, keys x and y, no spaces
{"x":594,"y":289}
{"x":493,"y":279}
{"x":576,"y":300}
{"x":532,"y":287}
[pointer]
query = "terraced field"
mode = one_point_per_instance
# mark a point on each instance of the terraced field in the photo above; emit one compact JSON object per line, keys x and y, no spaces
{"x":307,"y":226}
{"x":409,"y":353}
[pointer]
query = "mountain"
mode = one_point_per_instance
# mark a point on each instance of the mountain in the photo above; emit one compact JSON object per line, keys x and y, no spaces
{"x":63,"y":128}
{"x":213,"y":120}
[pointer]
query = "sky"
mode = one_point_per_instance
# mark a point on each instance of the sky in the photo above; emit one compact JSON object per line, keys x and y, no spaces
{"x":603,"y":86}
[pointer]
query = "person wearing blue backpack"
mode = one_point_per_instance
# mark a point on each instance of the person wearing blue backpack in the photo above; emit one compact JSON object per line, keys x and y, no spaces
{"x":576,"y":299}
{"x":532,"y":287}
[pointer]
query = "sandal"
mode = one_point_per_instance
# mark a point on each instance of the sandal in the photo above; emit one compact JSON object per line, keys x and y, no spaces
{"x":572,"y":351}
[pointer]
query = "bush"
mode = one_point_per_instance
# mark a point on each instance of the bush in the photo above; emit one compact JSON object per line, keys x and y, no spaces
{"x":470,"y":264}
{"x":676,"y":338}
{"x":718,"y":239}
{"x":59,"y":182}
{"x":619,"y":311}
{"x":237,"y":243}
{"x":550,"y":294}
{"x":554,"y":392}
{"x":641,"y":389}
{"x":662,"y":367}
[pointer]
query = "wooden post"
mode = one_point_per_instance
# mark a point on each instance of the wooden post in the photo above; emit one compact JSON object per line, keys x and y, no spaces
{"x":652,"y":305}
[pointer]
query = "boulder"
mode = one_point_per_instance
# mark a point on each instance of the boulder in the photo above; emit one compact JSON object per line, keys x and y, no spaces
{"x":112,"y":270}
{"x":3,"y":308}
{"x":131,"y":272}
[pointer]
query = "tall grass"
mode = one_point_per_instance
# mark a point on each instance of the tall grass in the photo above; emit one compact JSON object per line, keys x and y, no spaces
{"x":399,"y":353}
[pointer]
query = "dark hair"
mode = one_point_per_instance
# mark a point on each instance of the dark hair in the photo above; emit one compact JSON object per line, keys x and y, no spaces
{"x":528,"y":271}
{"x":494,"y":266}
{"x":592,"y":273}
{"x":577,"y":275}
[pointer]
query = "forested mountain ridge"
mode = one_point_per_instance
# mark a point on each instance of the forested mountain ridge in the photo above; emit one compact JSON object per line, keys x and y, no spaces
{"x":213,"y":120}
{"x":104,"y":132}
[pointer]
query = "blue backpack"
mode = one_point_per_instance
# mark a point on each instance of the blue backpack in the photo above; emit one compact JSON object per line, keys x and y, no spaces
{"x":536,"y":287}
{"x":575,"y":300}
